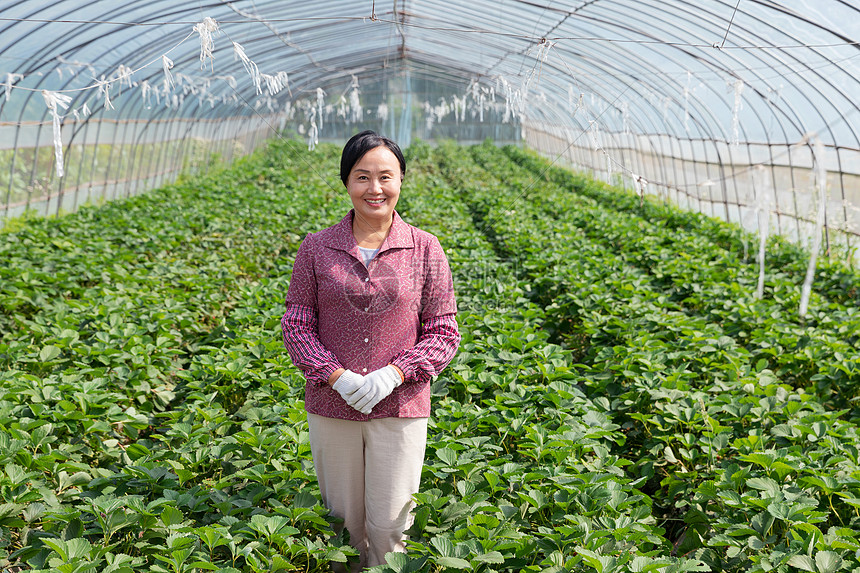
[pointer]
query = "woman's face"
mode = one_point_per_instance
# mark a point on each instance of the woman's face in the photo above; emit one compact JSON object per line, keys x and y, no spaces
{"x":374,"y":185}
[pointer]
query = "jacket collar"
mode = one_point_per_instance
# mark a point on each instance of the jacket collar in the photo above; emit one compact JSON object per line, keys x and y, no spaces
{"x":399,"y":237}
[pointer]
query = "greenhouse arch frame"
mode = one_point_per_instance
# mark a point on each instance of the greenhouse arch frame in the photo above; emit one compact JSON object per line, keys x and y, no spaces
{"x":716,"y":106}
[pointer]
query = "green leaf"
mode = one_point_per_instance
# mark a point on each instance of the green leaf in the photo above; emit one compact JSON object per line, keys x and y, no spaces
{"x":397,"y":561}
{"x":443,"y":546}
{"x":803,"y":562}
{"x":171,"y":516}
{"x":781,"y":510}
{"x":74,"y":528}
{"x":179,"y":541}
{"x":453,"y":562}
{"x":763,"y":459}
{"x":762,"y":522}
{"x":825,"y":482}
{"x":272,"y":525}
{"x":828,"y":562}
{"x":136,"y":451}
{"x":491,"y":557}
{"x":689,"y":565}
{"x":17,"y":474}
{"x":767,"y":485}
{"x":447,"y":455}
{"x":69,"y":550}
{"x":304,"y":499}
{"x":66,"y":481}
{"x":120,"y":563}
{"x":336,"y":555}
{"x":852,"y":501}
{"x":670,"y":455}
{"x":49,"y":352}
{"x":8,"y":509}
{"x":281,"y":562}
{"x":591,"y":558}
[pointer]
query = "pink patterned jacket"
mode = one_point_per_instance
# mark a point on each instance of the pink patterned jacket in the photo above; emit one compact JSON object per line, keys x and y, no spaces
{"x":398,"y":310}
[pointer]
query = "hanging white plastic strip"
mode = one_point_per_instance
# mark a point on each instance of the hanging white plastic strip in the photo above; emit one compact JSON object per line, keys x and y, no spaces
{"x":321,"y":101}
{"x":608,"y":167}
{"x":763,"y":191}
{"x":206,"y":29}
{"x":54,"y":100}
{"x":342,"y":108}
{"x":736,"y":110}
{"x":11,"y":79}
{"x":594,"y":132}
{"x":123,"y":76}
{"x":166,"y":65}
{"x":639,"y":184}
{"x":313,"y":135}
{"x":625,"y":117}
{"x":284,"y":81}
{"x":356,"y":111}
{"x":428,"y":117}
{"x":821,"y":184}
{"x":276,"y":83}
{"x":104,"y":91}
{"x":144,"y":92}
{"x":249,"y":66}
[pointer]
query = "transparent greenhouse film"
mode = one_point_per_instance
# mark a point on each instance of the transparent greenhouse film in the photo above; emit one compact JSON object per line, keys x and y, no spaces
{"x":119,"y":130}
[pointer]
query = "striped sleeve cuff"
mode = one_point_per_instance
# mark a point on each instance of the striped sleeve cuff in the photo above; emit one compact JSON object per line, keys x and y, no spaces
{"x":433,"y":352}
{"x":299,"y":329}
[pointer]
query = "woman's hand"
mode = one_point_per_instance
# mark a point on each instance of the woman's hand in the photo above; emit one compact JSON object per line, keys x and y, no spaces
{"x":377,"y":385}
{"x":350,"y":386}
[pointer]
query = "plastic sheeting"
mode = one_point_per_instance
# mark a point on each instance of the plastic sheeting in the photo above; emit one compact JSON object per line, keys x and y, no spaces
{"x":691,"y":97}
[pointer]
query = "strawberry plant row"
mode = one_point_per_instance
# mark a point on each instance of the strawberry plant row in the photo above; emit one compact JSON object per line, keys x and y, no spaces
{"x":217,"y":478}
{"x":535,"y":461}
{"x":522,"y":463}
{"x":102,"y":473}
{"x":656,"y":244}
{"x":833,"y":279}
{"x":821,"y":352}
{"x":741,"y":402}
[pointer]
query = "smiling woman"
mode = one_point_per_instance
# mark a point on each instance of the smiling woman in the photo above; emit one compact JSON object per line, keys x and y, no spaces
{"x":374,"y":187}
{"x":370,"y":319}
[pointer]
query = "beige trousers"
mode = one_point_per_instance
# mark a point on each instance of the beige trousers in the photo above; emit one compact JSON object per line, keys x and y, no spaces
{"x":367,"y":473}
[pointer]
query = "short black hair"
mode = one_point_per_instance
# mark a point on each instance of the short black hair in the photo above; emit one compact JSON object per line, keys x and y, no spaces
{"x":361,"y":143}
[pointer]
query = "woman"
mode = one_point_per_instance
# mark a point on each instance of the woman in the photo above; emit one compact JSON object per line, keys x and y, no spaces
{"x":370,"y":320}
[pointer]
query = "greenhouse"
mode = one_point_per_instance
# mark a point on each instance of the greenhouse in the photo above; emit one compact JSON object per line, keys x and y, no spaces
{"x":649,"y":212}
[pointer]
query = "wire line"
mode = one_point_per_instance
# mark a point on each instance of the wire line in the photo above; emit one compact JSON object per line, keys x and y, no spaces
{"x":722,"y":45}
{"x":471,"y":30}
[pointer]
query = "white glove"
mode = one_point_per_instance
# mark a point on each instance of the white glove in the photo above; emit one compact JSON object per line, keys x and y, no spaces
{"x":349,"y":386}
{"x":377,"y":385}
